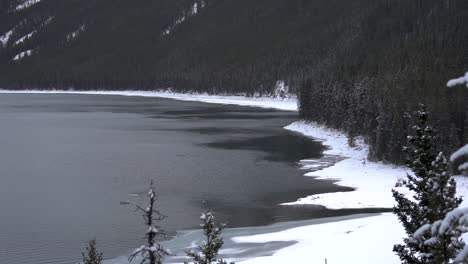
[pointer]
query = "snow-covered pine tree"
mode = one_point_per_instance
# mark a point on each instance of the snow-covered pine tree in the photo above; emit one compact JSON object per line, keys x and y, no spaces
{"x":462,"y":153}
{"x":434,"y":194}
{"x":209,"y":249}
{"x":152,"y":252}
{"x":92,"y":256}
{"x":456,"y":221}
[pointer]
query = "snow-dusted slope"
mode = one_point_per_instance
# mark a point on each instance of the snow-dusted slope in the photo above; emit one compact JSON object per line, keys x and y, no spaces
{"x":193,"y":11}
{"x":6,"y":37}
{"x":23,"y":55}
{"x":76,"y":33}
{"x":26,"y":4}
{"x":26,"y":37}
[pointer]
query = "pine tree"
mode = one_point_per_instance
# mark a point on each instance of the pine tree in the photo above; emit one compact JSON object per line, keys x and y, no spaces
{"x":92,"y":256}
{"x":455,"y":221}
{"x":209,"y":249}
{"x":152,"y":252}
{"x":434,"y":195}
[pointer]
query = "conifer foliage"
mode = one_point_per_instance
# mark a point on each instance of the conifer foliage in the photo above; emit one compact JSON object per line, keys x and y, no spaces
{"x":456,"y":220}
{"x":208,"y":251}
{"x":92,"y":256}
{"x":152,"y":252}
{"x":433,"y":196}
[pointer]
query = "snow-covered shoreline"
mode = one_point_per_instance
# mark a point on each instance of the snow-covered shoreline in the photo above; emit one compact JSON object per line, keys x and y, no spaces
{"x":372,"y":181}
{"x":338,"y":242}
{"x":287,"y":104}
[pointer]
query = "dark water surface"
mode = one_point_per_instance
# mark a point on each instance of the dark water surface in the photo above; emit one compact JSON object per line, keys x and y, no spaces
{"x":66,"y":162}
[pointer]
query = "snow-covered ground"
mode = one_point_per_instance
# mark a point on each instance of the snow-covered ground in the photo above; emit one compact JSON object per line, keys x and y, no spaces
{"x":363,"y":240}
{"x":372,"y":181}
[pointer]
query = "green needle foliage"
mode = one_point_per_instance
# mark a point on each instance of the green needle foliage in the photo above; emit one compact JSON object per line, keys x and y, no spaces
{"x":208,"y":251}
{"x":433,"y":196}
{"x":92,"y":256}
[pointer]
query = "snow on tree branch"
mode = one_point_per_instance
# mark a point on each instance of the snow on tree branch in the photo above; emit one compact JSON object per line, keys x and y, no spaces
{"x":458,"y":81}
{"x":459,"y":153}
{"x":152,"y":252}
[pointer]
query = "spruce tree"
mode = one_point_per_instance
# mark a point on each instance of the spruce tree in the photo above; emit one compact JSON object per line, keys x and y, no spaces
{"x":92,"y":256}
{"x":455,"y":221}
{"x":433,"y":196}
{"x":208,"y":251}
{"x":152,"y":252}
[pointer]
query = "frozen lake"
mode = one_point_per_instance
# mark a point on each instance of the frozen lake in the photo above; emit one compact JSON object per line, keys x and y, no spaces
{"x":68,"y":160}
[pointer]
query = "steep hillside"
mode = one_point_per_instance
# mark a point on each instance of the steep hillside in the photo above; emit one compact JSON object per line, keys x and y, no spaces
{"x":226,"y":46}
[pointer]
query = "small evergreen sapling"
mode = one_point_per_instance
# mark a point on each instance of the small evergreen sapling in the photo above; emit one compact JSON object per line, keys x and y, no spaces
{"x":152,"y":252}
{"x":434,"y":194}
{"x":92,"y":256}
{"x":209,"y":249}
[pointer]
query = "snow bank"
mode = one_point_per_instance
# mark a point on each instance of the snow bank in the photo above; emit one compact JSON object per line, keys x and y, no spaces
{"x":289,"y":104}
{"x":363,"y":240}
{"x":372,"y":181}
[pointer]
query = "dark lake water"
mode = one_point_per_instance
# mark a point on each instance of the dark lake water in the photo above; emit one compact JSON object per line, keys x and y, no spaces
{"x":66,"y":162}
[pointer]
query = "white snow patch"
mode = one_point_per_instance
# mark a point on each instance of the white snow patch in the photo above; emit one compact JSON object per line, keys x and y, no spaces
{"x":22,"y":55}
{"x":6,"y":37}
{"x":460,"y":153}
{"x":26,"y":4}
{"x":281,"y":89}
{"x":76,"y":33}
{"x":48,"y":21}
{"x":363,"y":240}
{"x":194,"y":10}
{"x":28,"y":36}
{"x":459,"y":81}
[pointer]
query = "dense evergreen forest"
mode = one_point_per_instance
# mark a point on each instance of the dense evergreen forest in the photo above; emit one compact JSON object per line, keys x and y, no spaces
{"x":359,"y":66}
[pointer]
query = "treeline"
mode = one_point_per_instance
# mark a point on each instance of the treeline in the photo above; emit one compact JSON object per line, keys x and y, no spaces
{"x":356,"y":65}
{"x":403,"y":55}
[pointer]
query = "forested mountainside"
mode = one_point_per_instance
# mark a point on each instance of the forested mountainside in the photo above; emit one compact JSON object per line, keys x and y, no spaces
{"x":359,"y":66}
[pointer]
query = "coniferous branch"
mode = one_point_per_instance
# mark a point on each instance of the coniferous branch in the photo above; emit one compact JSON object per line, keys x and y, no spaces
{"x":152,"y":252}
{"x":92,"y":256}
{"x":455,"y":221}
{"x":208,"y":251}
{"x":433,"y":196}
